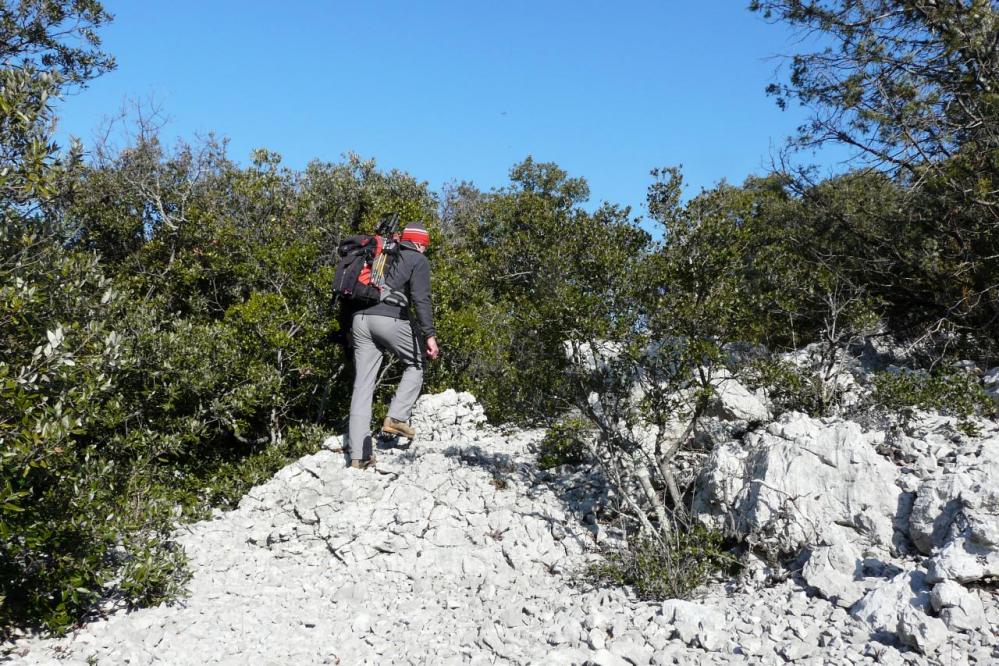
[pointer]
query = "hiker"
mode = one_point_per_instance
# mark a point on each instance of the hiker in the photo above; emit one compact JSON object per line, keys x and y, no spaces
{"x":384,"y":327}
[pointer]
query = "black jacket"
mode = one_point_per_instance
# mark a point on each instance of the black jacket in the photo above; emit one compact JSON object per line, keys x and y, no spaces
{"x":409,"y":274}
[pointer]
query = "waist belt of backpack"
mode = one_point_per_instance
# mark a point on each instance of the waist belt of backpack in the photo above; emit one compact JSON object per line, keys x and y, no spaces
{"x":393,"y":297}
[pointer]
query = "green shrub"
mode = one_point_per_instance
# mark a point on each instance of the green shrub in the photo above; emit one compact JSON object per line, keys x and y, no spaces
{"x":112,"y":415}
{"x":515,"y":277}
{"x":673,"y":572}
{"x":221,"y":478}
{"x":949,"y":390}
{"x":564,"y":444}
{"x":76,"y":511}
{"x":789,"y":388}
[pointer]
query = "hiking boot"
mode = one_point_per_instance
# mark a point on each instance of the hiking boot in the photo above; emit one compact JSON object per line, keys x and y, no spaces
{"x":393,"y":427}
{"x":363,"y":463}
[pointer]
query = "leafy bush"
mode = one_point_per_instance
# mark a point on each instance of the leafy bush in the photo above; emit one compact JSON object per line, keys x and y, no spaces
{"x":788,"y":387}
{"x":74,"y":508}
{"x":916,"y":224}
{"x":521,"y":270}
{"x":672,"y":572}
{"x":168,"y":332}
{"x":564,"y":444}
{"x":220,"y":478}
{"x":948,"y":390}
{"x":112,"y":416}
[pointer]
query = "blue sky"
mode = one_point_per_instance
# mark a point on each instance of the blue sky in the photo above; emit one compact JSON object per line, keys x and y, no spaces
{"x":454,"y":91}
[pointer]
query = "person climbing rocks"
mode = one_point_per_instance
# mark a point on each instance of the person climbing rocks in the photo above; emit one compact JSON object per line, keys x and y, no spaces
{"x":387,"y":327}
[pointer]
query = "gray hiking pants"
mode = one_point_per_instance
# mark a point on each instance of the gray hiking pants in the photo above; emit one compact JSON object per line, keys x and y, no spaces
{"x":374,"y":334}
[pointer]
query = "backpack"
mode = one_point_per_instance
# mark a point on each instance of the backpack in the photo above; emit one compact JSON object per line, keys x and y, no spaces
{"x":361,"y":269}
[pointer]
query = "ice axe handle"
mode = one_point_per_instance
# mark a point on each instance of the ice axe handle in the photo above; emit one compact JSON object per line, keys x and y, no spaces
{"x":387,"y":225}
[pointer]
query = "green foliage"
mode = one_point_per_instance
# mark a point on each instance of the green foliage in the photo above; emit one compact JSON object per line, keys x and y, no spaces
{"x":165,"y":313}
{"x":219,"y":478}
{"x":564,"y":444}
{"x":900,"y":83}
{"x":54,"y":36}
{"x":187,"y":358}
{"x":522,"y":270}
{"x":674,"y":571}
{"x":789,"y":388}
{"x":74,"y":512}
{"x":910,"y":87}
{"x":948,"y":390}
{"x":45,"y":48}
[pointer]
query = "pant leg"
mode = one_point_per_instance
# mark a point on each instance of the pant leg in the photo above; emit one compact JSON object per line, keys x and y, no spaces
{"x":400,"y":338}
{"x":410,"y":351}
{"x":367,"y":361}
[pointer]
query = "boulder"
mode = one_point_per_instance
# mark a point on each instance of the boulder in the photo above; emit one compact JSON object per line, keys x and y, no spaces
{"x":795,"y":649}
{"x":959,"y":608}
{"x":841,"y":379}
{"x":981,"y":509}
{"x":734,"y":402}
{"x":938,"y":502}
{"x":802,"y":481}
{"x":336,"y":443}
{"x":592,"y":356}
{"x":963,"y":560}
{"x":447,"y":415}
{"x":990,"y":380}
{"x":965,"y":490}
{"x":695,"y":624}
{"x":882,"y":607}
{"x":834,"y":571}
{"x":955,"y":517}
{"x":920,"y":631}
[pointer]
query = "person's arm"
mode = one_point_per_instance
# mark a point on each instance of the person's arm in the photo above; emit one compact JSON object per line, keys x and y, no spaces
{"x":419,"y":290}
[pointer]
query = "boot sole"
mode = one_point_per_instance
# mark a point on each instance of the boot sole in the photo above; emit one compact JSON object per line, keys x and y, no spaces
{"x":393,"y":431}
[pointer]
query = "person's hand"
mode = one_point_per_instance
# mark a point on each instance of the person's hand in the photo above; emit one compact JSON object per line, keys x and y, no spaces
{"x":433,"y":351}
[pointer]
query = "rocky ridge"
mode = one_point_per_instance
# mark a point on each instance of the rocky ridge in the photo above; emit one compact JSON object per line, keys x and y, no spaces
{"x":458,"y":551}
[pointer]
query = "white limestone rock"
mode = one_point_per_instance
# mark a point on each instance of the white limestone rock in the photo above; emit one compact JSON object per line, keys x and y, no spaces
{"x":336,"y":443}
{"x":566,"y":656}
{"x":447,"y":415}
{"x":801,"y":481}
{"x":881,"y":608}
{"x":963,"y":560}
{"x":921,"y":631}
{"x":733,"y":401}
{"x":633,"y":651}
{"x":884,"y":654}
{"x":695,"y":624}
{"x":956,"y":516}
{"x":848,"y":378}
{"x":990,"y":380}
{"x":835,"y":572}
{"x":431,"y":560}
{"x":592,"y":357}
{"x":961,"y":500}
{"x":959,"y":608}
{"x":795,"y":650}
{"x":938,"y":502}
{"x":981,"y":508}
{"x":604,"y":657}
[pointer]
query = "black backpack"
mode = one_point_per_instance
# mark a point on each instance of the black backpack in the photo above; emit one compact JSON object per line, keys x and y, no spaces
{"x":353,"y":281}
{"x":361,"y":269}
